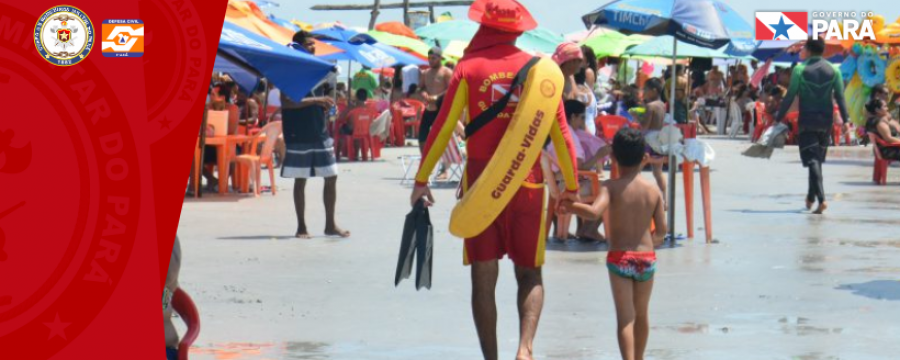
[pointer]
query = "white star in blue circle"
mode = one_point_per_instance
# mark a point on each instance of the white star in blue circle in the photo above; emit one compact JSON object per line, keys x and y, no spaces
{"x":781,"y":28}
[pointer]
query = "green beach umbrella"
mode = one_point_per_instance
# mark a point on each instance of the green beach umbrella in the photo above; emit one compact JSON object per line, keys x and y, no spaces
{"x":662,"y":46}
{"x":613,"y":43}
{"x":403,"y":42}
{"x":539,"y":39}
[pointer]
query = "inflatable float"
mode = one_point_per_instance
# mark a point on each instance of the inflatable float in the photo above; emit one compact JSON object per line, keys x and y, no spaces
{"x":892,"y":76}
{"x":871,"y":67}
{"x":520,"y":147}
{"x":855,"y":95}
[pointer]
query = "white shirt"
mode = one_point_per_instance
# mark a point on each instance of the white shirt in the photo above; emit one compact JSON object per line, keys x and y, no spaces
{"x":274,"y":97}
{"x":410,"y":76}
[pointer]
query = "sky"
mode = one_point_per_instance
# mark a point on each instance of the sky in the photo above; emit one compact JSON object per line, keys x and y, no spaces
{"x":549,"y":14}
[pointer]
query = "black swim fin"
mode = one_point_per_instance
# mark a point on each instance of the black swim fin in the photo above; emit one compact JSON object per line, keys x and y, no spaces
{"x":407,"y":246}
{"x":424,"y":249}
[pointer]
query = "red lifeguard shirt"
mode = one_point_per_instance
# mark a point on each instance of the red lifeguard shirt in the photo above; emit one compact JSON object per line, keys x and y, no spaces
{"x":482,"y":77}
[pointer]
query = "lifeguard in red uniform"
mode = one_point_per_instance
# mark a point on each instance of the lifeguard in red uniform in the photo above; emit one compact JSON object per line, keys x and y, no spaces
{"x":483,"y":76}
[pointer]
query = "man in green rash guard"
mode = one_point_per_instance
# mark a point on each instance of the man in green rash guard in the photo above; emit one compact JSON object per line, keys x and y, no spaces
{"x":819,"y":87}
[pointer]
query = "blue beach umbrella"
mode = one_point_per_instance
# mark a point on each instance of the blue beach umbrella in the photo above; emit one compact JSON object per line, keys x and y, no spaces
{"x":777,"y":50}
{"x":292,"y":71}
{"x":246,"y":77}
{"x":363,"y":48}
{"x":706,"y":23}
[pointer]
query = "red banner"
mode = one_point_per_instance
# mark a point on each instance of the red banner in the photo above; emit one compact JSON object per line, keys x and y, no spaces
{"x":95,"y":150}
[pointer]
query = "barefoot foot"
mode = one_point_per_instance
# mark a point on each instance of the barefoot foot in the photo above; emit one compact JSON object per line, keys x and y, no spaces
{"x":809,"y":204}
{"x":336,"y":231}
{"x":302,"y":234}
{"x":821,"y":209}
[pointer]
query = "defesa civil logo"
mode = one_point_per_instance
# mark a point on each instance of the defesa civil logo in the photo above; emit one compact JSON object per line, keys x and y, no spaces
{"x":63,"y":35}
{"x":123,"y":38}
{"x":832,"y":25}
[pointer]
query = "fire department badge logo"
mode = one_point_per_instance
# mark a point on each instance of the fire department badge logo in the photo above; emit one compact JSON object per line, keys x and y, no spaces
{"x":64,"y":35}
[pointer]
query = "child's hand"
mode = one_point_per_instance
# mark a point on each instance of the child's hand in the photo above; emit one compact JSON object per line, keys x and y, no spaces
{"x":565,"y":207}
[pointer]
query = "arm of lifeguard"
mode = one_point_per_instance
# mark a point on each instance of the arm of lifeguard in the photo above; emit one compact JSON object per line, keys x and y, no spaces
{"x":791,"y":94}
{"x":458,"y":95}
{"x":839,"y":96}
{"x":565,"y":149}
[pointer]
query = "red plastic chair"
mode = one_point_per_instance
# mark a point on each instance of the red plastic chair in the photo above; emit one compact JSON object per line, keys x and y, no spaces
{"x":793,"y":118}
{"x":763,"y":121}
{"x":184,"y":306}
{"x":361,"y":119}
{"x":419,"y":111}
{"x":609,"y":125}
{"x":879,"y":173}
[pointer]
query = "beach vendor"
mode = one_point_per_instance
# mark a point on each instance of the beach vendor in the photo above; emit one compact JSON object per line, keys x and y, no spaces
{"x":502,"y":162}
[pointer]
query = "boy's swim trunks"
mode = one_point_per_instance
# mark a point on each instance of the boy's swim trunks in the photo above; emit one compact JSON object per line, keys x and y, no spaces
{"x":636,"y":265}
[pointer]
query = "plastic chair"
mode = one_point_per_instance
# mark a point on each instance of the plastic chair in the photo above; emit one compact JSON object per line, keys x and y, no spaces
{"x":420,"y":111}
{"x":253,"y":161}
{"x":608,"y":126}
{"x":400,"y":110}
{"x":563,"y":221}
{"x":196,"y":170}
{"x":763,"y":121}
{"x":184,"y":306}
{"x":793,"y":118}
{"x":879,"y":173}
{"x":453,"y":156}
{"x":361,"y":118}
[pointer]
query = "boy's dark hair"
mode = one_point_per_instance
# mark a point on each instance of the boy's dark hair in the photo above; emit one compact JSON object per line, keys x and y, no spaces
{"x":581,"y":76}
{"x":362,"y":95}
{"x":413,"y":88}
{"x":816,"y":47}
{"x":574,"y":107}
{"x":301,"y":36}
{"x":629,"y":147}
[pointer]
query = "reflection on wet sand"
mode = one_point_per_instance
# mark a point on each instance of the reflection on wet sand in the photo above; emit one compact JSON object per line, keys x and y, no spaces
{"x":263,"y":351}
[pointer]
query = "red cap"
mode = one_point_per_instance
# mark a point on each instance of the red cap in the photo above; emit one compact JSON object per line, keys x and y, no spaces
{"x":506,"y":15}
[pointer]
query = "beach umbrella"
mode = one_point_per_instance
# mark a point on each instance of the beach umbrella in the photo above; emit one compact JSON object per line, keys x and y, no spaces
{"x":246,"y":77}
{"x":539,"y":39}
{"x":663,"y":46}
{"x":302,"y":25}
{"x":612,"y":43}
{"x":363,"y":48}
{"x":413,"y":46}
{"x":284,"y":23}
{"x":248,"y":16}
{"x":397,"y":28}
{"x":707,"y":23}
{"x":292,"y":71}
{"x":789,"y":51}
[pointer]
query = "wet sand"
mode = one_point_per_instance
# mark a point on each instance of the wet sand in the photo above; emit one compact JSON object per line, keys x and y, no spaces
{"x":778,"y":283}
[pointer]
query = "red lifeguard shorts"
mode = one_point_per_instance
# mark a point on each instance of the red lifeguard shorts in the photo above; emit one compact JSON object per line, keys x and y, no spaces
{"x":519,"y":231}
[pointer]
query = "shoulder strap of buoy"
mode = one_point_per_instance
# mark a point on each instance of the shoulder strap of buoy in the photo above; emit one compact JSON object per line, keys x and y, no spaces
{"x":491,"y":113}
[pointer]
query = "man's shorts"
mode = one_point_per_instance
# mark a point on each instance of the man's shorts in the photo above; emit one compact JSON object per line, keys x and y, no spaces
{"x":171,"y":354}
{"x":428,"y":118}
{"x":518,"y":232}
{"x":309,"y":160}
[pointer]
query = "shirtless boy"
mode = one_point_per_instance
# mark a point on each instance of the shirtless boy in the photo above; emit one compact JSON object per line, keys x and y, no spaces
{"x":632,"y":203}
